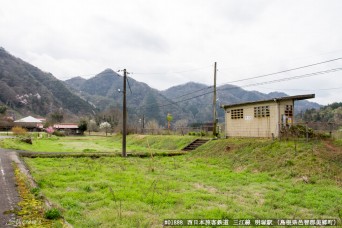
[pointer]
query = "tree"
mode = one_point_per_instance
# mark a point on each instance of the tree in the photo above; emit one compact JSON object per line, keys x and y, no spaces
{"x":49,"y":130}
{"x":3,"y":109}
{"x":92,"y":126}
{"x":152,"y":125}
{"x":82,"y":126}
{"x":181,"y":124}
{"x":56,"y":117}
{"x":105,"y":126}
{"x":169,"y":118}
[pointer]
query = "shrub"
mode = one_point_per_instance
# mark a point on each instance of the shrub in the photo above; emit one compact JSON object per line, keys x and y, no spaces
{"x":53,"y":213}
{"x":19,"y":131}
{"x":59,"y":133}
{"x":35,"y":191}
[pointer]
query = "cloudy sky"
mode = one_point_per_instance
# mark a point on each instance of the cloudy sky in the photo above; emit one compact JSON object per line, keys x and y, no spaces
{"x":171,"y":42}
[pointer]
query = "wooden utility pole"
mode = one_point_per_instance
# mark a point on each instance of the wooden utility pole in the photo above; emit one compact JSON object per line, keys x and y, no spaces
{"x":214,"y":104}
{"x":124,"y":116}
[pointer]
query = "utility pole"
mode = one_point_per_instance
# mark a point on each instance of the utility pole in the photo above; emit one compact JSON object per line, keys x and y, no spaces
{"x":214,"y":103}
{"x":124,"y":116}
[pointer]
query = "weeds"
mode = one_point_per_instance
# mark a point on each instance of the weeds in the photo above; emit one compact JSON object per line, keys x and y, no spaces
{"x":19,"y":131}
{"x":53,"y":214}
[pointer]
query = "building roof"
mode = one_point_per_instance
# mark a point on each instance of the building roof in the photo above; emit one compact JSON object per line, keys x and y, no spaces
{"x":66,"y":126}
{"x":295,"y":98}
{"x":28,"y":119}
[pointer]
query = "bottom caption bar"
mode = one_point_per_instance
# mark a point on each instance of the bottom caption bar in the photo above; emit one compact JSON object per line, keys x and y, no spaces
{"x":250,"y":222}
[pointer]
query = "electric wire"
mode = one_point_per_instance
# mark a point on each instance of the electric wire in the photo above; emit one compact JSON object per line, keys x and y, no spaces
{"x":260,"y":76}
{"x":173,"y":72}
{"x":283,"y":71}
{"x":250,"y":85}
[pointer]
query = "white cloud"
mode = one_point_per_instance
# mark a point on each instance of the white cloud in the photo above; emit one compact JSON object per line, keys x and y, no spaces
{"x":247,"y":38}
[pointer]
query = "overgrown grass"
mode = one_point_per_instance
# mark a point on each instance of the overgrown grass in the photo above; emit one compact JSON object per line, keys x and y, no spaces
{"x":135,"y":143}
{"x":234,"y":178}
{"x":285,"y":159}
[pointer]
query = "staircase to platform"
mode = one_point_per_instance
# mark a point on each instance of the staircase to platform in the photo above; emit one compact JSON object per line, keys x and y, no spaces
{"x":195,"y":144}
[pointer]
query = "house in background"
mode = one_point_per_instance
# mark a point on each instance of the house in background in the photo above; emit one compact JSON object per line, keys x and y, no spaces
{"x":68,"y":128}
{"x":263,"y":118}
{"x":29,"y":122}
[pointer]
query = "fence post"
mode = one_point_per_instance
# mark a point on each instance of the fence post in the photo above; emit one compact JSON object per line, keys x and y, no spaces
{"x":330,"y":129}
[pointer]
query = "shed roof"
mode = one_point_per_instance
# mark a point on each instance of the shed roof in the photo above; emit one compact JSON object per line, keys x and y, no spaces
{"x":66,"y":126}
{"x":295,"y":98}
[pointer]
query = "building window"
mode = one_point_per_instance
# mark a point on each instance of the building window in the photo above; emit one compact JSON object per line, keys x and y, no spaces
{"x":237,"y":114}
{"x":261,"y":111}
{"x":289,"y":110}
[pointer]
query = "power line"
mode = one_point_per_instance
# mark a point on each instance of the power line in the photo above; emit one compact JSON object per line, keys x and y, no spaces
{"x":174,"y":72}
{"x":284,"y":71}
{"x":194,"y":91}
{"x":265,"y":75}
{"x":303,"y":89}
{"x":176,"y":102}
{"x":295,"y":77}
{"x":250,"y":85}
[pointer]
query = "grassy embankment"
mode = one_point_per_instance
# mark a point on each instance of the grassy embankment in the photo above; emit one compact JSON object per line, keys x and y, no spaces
{"x":93,"y":144}
{"x":233,"y":178}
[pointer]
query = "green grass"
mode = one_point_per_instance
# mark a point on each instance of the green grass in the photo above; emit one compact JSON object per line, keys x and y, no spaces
{"x":135,"y":143}
{"x":234,"y":178}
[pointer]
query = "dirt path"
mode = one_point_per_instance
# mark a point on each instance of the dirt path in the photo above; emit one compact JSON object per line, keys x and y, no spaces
{"x":9,"y":196}
{"x":332,"y":147}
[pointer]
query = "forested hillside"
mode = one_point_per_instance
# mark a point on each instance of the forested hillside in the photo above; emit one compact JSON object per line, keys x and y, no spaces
{"x":328,"y":113}
{"x":28,"y":90}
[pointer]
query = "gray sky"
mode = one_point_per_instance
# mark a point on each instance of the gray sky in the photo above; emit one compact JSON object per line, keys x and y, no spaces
{"x":171,"y":42}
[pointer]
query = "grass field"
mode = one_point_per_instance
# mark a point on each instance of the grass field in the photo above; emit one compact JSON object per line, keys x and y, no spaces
{"x":110,"y":144}
{"x":233,"y":178}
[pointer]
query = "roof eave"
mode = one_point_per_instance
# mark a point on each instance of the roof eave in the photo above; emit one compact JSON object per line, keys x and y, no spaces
{"x":294,"y":98}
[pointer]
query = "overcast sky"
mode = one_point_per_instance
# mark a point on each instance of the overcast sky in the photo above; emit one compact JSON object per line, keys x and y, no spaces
{"x":171,"y":42}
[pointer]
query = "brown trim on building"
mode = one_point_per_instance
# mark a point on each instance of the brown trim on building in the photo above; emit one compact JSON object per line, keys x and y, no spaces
{"x":295,"y":98}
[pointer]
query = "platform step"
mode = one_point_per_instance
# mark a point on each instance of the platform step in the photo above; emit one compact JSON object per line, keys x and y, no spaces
{"x":195,"y":144}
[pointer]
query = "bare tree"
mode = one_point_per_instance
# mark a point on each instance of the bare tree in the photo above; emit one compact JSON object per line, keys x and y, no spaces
{"x":92,"y":126}
{"x":153,"y":126}
{"x":181,"y":124}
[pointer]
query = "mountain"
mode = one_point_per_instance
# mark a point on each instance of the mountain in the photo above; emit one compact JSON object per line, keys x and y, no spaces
{"x":201,"y":106}
{"x":105,"y":91}
{"x":28,"y":90}
{"x":191,"y":101}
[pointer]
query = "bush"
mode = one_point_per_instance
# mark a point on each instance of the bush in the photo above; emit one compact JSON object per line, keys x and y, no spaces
{"x":35,"y":191}
{"x":19,"y":131}
{"x":53,"y":213}
{"x":59,"y":133}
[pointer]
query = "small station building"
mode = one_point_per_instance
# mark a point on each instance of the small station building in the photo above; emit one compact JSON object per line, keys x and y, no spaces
{"x":263,"y":118}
